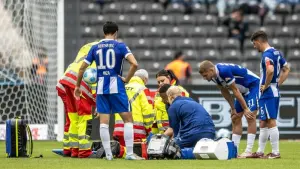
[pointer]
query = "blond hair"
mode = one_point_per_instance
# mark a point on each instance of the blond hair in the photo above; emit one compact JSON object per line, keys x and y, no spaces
{"x":205,"y":65}
{"x":174,"y":91}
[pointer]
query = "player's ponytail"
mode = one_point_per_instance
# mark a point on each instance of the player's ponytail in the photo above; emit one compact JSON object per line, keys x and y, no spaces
{"x":168,"y":73}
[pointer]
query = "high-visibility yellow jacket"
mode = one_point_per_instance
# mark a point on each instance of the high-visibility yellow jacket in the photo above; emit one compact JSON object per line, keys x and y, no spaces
{"x":70,"y":76}
{"x":77,"y":137}
{"x":161,"y":115}
{"x":142,"y":110}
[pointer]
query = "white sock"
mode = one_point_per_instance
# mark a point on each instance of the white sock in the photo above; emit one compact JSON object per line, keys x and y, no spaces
{"x":274,"y":139}
{"x":105,"y":138}
{"x":250,"y":142}
{"x":263,"y":138}
{"x":128,"y":137}
{"x":236,"y":139}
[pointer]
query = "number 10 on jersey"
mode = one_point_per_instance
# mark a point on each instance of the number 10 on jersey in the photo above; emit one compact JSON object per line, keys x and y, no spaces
{"x":110,"y":61}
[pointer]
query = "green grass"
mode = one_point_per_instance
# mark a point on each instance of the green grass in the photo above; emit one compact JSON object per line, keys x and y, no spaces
{"x":290,"y":152}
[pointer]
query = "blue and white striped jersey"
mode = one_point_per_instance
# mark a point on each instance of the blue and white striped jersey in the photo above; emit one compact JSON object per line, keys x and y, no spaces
{"x":271,"y":56}
{"x":229,"y":73}
{"x":109,"y":56}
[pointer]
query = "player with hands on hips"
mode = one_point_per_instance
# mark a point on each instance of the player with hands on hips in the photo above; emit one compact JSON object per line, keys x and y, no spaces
{"x":274,"y":71}
{"x":111,"y":94}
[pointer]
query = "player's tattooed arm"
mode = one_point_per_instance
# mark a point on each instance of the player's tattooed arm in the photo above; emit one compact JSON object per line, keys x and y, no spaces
{"x":284,"y":74}
{"x":227,"y":96}
{"x":236,"y":92}
{"x":269,"y":75}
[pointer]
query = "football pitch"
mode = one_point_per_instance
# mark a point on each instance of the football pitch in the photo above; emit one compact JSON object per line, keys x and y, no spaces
{"x":290,"y":152}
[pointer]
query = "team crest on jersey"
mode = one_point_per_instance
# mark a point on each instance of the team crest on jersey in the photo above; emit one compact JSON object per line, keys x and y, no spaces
{"x":276,"y":52}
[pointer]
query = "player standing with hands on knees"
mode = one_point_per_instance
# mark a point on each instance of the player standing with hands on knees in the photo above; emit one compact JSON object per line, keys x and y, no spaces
{"x":111,"y":94}
{"x":244,"y":85}
{"x":274,"y":71}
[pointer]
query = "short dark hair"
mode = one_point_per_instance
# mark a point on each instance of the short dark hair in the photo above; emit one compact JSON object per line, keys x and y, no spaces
{"x":164,"y":88}
{"x":110,"y":28}
{"x":178,"y":54}
{"x":238,"y":9}
{"x":259,"y":35}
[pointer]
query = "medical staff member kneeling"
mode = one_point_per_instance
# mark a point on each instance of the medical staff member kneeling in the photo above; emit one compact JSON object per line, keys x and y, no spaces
{"x":189,"y":121}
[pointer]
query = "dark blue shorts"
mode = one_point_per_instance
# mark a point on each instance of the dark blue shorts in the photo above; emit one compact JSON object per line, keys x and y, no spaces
{"x":112,"y":103}
{"x":192,"y":140}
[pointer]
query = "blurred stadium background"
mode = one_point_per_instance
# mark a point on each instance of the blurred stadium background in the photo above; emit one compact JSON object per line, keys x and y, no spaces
{"x":40,"y":38}
{"x":155,"y":30}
